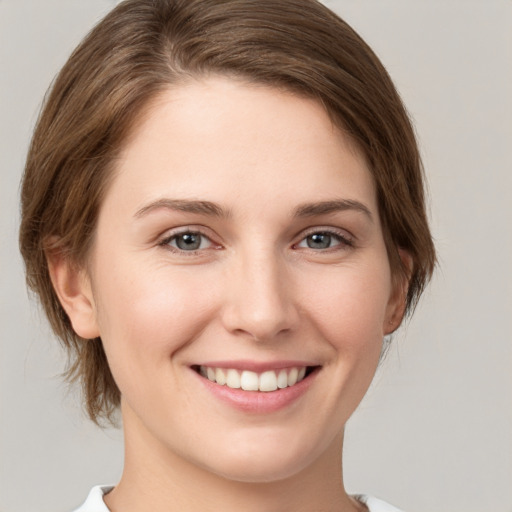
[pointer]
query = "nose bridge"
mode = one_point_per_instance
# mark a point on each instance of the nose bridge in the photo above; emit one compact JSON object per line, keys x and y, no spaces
{"x":260,"y":302}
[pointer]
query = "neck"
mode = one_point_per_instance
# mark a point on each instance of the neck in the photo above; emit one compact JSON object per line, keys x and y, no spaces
{"x":161,"y":481}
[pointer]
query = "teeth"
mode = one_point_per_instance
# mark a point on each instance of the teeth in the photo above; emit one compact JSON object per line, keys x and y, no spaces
{"x":282,"y":379}
{"x":233,"y":379}
{"x":292,"y":376}
{"x":251,"y":381}
{"x":268,"y":381}
{"x":220,"y":376}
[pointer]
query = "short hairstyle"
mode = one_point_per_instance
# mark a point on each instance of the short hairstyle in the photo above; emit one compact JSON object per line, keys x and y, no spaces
{"x":143,"y":47}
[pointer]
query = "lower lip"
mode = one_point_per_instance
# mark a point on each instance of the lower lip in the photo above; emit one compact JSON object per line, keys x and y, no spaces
{"x":259,"y":402}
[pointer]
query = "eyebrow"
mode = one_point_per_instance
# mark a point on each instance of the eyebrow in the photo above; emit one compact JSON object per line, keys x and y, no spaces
{"x":184,"y":205}
{"x":215,"y":210}
{"x":333,"y":206}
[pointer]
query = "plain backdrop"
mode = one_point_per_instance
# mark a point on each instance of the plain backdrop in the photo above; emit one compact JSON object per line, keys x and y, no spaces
{"x":435,"y":431}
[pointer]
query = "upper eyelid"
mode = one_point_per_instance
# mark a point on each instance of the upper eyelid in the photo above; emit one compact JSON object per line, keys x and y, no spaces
{"x":193,"y":228}
{"x":343,"y":233}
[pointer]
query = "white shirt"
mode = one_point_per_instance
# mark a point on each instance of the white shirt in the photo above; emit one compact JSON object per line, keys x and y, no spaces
{"x":95,"y":503}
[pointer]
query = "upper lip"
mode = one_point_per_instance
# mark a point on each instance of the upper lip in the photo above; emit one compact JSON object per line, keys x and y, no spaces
{"x":257,"y":366}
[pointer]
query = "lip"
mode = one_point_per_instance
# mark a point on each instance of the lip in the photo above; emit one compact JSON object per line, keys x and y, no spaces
{"x":257,"y":402}
{"x":255,"y":366}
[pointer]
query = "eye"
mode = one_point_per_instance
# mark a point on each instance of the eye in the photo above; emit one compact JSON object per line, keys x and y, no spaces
{"x":188,"y":241}
{"x":320,"y":240}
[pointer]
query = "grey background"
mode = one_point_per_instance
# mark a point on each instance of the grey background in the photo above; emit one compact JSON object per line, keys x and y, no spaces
{"x":435,"y":431}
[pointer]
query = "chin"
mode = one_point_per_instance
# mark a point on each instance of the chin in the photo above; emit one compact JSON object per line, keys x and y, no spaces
{"x":271,"y":462}
{"x":257,"y":472}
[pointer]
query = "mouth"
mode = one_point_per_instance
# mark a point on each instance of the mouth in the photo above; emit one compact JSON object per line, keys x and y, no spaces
{"x":247,"y":380}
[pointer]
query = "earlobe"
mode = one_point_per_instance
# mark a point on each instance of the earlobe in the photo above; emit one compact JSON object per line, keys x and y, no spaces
{"x":398,"y":300}
{"x":73,"y":288}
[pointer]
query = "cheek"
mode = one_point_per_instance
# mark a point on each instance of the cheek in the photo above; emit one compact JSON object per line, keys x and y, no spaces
{"x":148,"y":316}
{"x":349,"y":306}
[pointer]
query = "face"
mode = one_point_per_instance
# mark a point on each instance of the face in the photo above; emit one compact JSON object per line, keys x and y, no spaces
{"x":239,"y":244}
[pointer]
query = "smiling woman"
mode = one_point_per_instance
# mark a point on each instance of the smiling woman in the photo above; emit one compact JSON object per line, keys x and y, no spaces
{"x":223,"y":215}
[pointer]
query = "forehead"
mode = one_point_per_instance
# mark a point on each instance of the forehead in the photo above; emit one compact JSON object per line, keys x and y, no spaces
{"x":224,"y":138}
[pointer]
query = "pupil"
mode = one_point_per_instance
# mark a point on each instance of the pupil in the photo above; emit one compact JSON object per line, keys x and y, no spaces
{"x":319,"y":241}
{"x":188,"y":241}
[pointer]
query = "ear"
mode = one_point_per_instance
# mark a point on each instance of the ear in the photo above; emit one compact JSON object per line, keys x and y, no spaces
{"x":73,"y":288}
{"x":398,"y":299}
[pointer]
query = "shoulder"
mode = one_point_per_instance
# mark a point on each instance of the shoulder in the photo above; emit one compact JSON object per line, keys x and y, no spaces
{"x":94,"y":501}
{"x":376,"y":505}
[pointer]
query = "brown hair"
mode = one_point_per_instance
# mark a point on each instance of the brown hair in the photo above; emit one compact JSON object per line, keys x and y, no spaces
{"x":144,"y":46}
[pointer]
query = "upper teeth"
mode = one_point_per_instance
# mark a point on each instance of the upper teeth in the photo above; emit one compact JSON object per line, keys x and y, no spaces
{"x":252,"y":381}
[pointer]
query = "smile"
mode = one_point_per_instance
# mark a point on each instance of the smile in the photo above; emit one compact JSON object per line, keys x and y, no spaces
{"x":267,"y":381}
{"x":256,"y":387}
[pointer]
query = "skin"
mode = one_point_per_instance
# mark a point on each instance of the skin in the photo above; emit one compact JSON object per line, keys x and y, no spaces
{"x":254,"y":290}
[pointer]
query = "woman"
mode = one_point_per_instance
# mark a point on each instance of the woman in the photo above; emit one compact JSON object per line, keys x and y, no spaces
{"x":223,"y":216}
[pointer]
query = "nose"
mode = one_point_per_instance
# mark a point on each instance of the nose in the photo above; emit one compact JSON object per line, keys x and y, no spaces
{"x":260,"y":298}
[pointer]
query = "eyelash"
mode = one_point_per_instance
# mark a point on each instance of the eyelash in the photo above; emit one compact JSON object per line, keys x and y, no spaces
{"x":166,"y":242}
{"x":344,"y":241}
